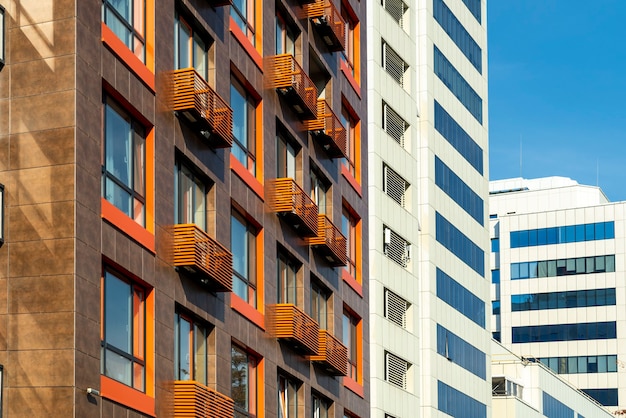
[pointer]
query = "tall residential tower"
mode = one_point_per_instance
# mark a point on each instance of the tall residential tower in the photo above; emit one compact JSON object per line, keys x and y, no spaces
{"x":185,"y":209}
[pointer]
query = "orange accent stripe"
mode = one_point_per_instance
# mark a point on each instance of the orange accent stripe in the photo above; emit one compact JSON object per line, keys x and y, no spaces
{"x":351,"y":180}
{"x":352,"y":282}
{"x":354,"y":386}
{"x":247,"y":177}
{"x":246,"y":44}
{"x":247,"y":311}
{"x":125,"y":395}
{"x":127,"y":225}
{"x":260,"y":369}
{"x":133,"y":63}
{"x":348,"y":73}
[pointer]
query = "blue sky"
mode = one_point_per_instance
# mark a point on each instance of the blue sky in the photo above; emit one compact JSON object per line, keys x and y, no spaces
{"x":557,"y":85}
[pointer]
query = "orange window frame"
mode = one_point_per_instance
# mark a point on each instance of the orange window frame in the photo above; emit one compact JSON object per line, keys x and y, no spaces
{"x":355,"y":385}
{"x":253,"y":180}
{"x":143,"y":401}
{"x":143,"y":235}
{"x":256,"y":315}
{"x":252,"y":44}
{"x":351,"y":168}
{"x":352,"y":272}
{"x":352,"y":53}
{"x":143,"y":70}
{"x":256,"y":387}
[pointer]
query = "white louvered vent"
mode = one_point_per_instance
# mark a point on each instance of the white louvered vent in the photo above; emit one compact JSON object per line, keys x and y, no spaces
{"x":396,"y":308}
{"x":396,"y":248}
{"x":396,"y":370}
{"x":396,"y":8}
{"x":393,"y":124}
{"x":393,"y":64}
{"x":394,"y":186}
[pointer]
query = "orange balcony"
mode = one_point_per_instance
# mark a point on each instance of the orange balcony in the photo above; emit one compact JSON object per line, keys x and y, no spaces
{"x":286,"y":198}
{"x":285,"y":75}
{"x":288,"y":322}
{"x":328,"y":131}
{"x":194,"y":400}
{"x":332,"y":355}
{"x":202,"y":106}
{"x":328,"y":22}
{"x":330,"y":242}
{"x":203,"y":257}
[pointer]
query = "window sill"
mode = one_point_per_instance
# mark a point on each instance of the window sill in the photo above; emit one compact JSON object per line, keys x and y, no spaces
{"x":242,"y":172}
{"x":125,"y":395}
{"x":114,"y":43}
{"x":126,"y":225}
{"x":351,"y":180}
{"x":246,"y":44}
{"x":352,"y":282}
{"x":354,"y":386}
{"x":247,"y":311}
{"x":345,"y":69}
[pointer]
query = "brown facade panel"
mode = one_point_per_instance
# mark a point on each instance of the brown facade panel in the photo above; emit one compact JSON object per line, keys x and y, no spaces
{"x":29,"y":402}
{"x":41,"y":294}
{"x":27,"y":370}
{"x":42,"y":331}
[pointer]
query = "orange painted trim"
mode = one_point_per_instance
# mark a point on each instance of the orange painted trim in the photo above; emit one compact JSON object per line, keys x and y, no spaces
{"x":125,"y":395}
{"x":345,"y":172}
{"x":247,"y":177}
{"x":133,"y":63}
{"x":345,"y":69}
{"x":260,"y":395}
{"x":247,"y":311}
{"x":150,"y":36}
{"x":243,"y":40}
{"x":127,"y":225}
{"x":260,"y":275}
{"x":351,"y":281}
{"x":354,"y":386}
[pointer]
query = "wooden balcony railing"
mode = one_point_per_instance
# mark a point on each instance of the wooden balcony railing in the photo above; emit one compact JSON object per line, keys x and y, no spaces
{"x":328,"y":22}
{"x":288,"y":322}
{"x":330,"y":242}
{"x":192,"y":96}
{"x":202,"y":256}
{"x":285,"y":75}
{"x":285,"y":197}
{"x":329,"y":131}
{"x":332,"y":355}
{"x":194,"y":400}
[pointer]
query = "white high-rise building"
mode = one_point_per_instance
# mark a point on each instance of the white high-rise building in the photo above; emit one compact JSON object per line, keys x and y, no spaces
{"x":559,"y":294}
{"x":428,"y":223}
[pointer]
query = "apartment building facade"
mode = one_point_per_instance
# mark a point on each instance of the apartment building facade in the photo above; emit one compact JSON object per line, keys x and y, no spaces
{"x":185,"y":209}
{"x":558,"y":290}
{"x":428,"y":179}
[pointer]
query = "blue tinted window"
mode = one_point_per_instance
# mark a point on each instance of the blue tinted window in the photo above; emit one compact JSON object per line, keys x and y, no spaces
{"x":553,"y":408}
{"x":459,"y":139}
{"x":562,"y":234}
{"x":563,"y":267}
{"x":461,"y":299}
{"x":461,"y":193}
{"x":458,"y":86}
{"x":474,"y":7}
{"x":565,"y":299}
{"x":607,"y":397}
{"x":455,"y":30}
{"x":495,"y":245}
{"x":457,"y":404}
{"x":495,"y":276}
{"x":495,"y":307}
{"x":564,"y":332}
{"x":461,"y":246}
{"x":460,"y":352}
{"x":493,"y":216}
